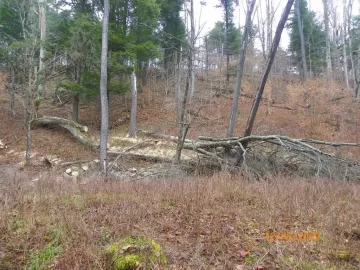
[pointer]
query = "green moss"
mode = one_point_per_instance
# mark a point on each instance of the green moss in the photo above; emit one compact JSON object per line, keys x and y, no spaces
{"x":343,"y":255}
{"x":131,"y":252}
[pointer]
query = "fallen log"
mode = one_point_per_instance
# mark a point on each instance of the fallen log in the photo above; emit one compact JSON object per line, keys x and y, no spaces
{"x":275,"y":152}
{"x":52,"y":120}
{"x":74,"y":128}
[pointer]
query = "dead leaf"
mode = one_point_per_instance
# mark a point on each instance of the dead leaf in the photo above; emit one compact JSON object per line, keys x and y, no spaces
{"x":244,"y":252}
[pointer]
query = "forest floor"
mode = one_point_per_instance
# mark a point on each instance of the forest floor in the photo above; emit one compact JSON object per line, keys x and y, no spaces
{"x":216,"y":221}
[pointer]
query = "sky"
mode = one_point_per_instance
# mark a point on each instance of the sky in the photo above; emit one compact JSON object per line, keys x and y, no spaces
{"x":207,"y":15}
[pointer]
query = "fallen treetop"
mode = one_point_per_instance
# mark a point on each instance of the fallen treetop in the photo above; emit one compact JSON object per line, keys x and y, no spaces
{"x":276,"y":152}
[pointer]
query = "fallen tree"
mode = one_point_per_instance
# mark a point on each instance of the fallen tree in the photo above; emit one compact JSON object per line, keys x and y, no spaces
{"x":74,"y":128}
{"x":264,"y":154}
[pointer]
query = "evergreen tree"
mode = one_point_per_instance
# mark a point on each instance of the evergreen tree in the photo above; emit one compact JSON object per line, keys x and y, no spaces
{"x":228,"y":7}
{"x":217,"y":39}
{"x":314,"y":37}
{"x":172,"y":34}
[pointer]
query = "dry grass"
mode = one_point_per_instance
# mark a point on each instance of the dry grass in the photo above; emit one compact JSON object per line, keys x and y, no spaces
{"x":202,"y":223}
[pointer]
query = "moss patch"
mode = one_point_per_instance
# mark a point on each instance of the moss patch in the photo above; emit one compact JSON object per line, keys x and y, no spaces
{"x":135,"y":251}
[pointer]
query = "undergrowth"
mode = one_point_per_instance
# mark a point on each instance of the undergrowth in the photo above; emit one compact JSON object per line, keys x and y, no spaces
{"x":216,"y":222}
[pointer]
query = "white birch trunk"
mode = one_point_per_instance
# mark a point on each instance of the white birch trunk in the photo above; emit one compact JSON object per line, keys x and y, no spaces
{"x":103,"y":91}
{"x":132,"y":131}
{"x":41,"y":73}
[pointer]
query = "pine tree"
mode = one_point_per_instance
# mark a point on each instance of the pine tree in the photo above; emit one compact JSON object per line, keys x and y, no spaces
{"x":314,"y":39}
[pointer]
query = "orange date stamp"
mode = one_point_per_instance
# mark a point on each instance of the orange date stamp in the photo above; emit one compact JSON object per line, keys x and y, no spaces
{"x":292,"y":236}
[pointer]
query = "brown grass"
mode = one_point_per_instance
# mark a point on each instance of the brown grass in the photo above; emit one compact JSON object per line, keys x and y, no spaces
{"x":202,"y":223}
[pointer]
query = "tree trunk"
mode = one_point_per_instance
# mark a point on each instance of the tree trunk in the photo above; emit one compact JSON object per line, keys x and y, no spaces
{"x":207,"y":67}
{"x":192,"y":52}
{"x":76,"y":97}
{"x":132,"y":132}
{"x":327,"y":33}
{"x":177,"y":82}
{"x":349,"y":32}
{"x":346,"y":77}
{"x":12,"y":91}
{"x":182,"y":124}
{"x":227,"y":82}
{"x":41,"y":73}
{"x":261,"y":26}
{"x":269,"y":18}
{"x":75,"y":108}
{"x":240,"y":71}
{"x":357,"y":82}
{"x":343,"y":36}
{"x":302,"y":41}
{"x":144,"y":73}
{"x":28,"y":109}
{"x":269,"y":63}
{"x":103,"y":91}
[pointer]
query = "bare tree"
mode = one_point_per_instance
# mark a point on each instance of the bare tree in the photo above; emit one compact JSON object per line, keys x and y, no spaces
{"x":269,"y":18}
{"x":328,"y":45}
{"x":240,"y":71}
{"x":349,"y":32}
{"x":192,"y":40}
{"x":343,"y":37}
{"x":103,"y":91}
{"x":183,"y":127}
{"x":266,"y":73}
{"x":261,"y":31}
{"x":133,"y":131}
{"x":177,"y":85}
{"x":302,"y":41}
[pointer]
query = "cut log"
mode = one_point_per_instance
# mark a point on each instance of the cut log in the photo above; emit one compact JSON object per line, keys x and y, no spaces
{"x":74,"y":128}
{"x":51,"y":120}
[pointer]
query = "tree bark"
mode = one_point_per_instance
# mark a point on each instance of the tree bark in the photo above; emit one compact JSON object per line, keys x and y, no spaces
{"x":12,"y":91}
{"x":302,"y":41}
{"x":240,"y":71}
{"x":51,"y":120}
{"x":132,"y":132}
{"x":103,"y":91}
{"x":269,"y":18}
{"x":75,"y":108}
{"x":349,"y":32}
{"x":41,"y":72}
{"x":28,"y":109}
{"x":269,"y":63}
{"x":227,"y":82}
{"x":76,"y":97}
{"x":177,"y":82}
{"x":192,"y":52}
{"x":327,"y":33}
{"x":343,"y":36}
{"x":182,"y":124}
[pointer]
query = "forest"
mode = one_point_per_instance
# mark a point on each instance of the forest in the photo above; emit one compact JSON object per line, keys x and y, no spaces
{"x":146,"y":134}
